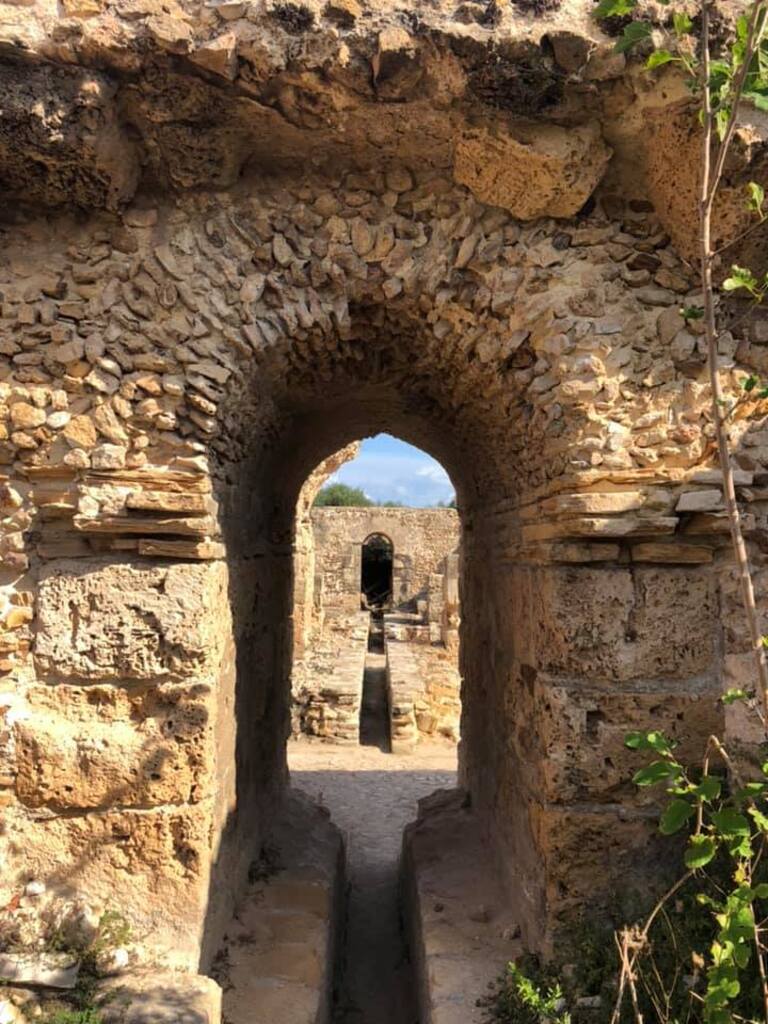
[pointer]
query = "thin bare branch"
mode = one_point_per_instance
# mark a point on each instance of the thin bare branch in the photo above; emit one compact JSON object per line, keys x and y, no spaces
{"x":710,"y":179}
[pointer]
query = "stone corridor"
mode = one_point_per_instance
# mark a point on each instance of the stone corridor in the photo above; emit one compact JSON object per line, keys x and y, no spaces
{"x":372,"y":796}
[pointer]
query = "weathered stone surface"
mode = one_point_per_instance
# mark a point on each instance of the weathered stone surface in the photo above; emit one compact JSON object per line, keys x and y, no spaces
{"x":161,"y":997}
{"x":127,"y":622}
{"x":48,"y":969}
{"x":121,"y":856}
{"x":582,"y":756}
{"x":81,"y":750}
{"x":620,"y":628}
{"x":700,"y":501}
{"x":546,"y":169}
{"x":673,"y":167}
{"x":69,"y":149}
{"x":671,"y":553}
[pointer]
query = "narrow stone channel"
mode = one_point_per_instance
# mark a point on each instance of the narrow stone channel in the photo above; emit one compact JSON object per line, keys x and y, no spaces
{"x":374,"y":715}
{"x":371,"y":796}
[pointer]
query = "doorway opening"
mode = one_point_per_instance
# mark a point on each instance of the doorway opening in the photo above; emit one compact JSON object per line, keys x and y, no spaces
{"x":376,"y":605}
{"x":376,"y":572}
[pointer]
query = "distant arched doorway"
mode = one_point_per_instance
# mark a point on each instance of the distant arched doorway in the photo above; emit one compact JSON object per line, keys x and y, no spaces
{"x":376,"y":571}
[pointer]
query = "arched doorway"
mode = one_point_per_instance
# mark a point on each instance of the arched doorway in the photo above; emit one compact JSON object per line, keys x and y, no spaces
{"x":376,"y":572}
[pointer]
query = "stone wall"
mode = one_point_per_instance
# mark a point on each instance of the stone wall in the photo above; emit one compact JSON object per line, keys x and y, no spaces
{"x":327,"y":678}
{"x":422,"y":539}
{"x":307,"y":590}
{"x":242,"y":236}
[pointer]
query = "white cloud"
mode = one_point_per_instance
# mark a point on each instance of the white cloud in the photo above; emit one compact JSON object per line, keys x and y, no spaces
{"x":390,"y":470}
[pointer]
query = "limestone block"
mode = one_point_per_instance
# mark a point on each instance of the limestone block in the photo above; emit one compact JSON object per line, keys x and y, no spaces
{"x":161,"y":997}
{"x":150,"y":865}
{"x":76,"y":751}
{"x":655,"y":499}
{"x":126,"y":621}
{"x":580,"y":737}
{"x":543,"y":170}
{"x":671,"y":553}
{"x":615,"y":624}
{"x":671,"y":152}
{"x":705,"y":500}
{"x":579,"y":845}
{"x":53,"y":970}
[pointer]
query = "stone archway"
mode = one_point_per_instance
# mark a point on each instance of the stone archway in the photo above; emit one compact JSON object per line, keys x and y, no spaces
{"x":173,"y":371}
{"x":500,"y":380}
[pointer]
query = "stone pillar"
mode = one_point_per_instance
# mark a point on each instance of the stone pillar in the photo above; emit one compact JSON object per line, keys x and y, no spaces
{"x":124,"y":745}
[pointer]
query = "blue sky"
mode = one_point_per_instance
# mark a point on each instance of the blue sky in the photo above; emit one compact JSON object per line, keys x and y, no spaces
{"x":391,"y":470}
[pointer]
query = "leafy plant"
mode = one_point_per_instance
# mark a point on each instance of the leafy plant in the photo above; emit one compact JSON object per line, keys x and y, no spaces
{"x":80,"y":1007}
{"x":727,"y":818}
{"x":523,"y":998}
{"x":89,"y":1016}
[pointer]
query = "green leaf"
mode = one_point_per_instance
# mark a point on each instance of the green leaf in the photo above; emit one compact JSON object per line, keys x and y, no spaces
{"x":701,"y":850}
{"x":731,"y":822}
{"x":634,"y":33}
{"x":739,"y":847}
{"x":682,"y":24}
{"x":741,"y":955}
{"x":692,"y":313}
{"x":722,"y":117}
{"x":656,"y":772}
{"x":719,"y":69}
{"x":675,"y":815}
{"x":756,"y":197}
{"x":752,"y":790}
{"x":749,"y":384}
{"x":760,"y":819}
{"x":760,"y":99}
{"x":614,"y":8}
{"x":652,"y":740}
{"x":659,"y":57}
{"x":741,"y":277}
{"x":709,"y":788}
{"x":761,"y":891}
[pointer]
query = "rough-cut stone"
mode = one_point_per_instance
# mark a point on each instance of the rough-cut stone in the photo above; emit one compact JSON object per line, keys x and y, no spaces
{"x":125,"y":622}
{"x":542,"y":170}
{"x":47,"y":969}
{"x":161,"y":997}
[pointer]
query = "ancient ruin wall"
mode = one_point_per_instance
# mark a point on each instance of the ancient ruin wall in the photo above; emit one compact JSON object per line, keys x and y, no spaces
{"x":246,"y":235}
{"x":421,"y":540}
{"x":307,"y":595}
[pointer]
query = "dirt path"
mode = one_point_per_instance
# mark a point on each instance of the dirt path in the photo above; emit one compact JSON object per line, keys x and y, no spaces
{"x":372,"y":795}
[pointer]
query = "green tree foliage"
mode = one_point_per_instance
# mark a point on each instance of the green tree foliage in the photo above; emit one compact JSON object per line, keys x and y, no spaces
{"x":344,"y":496}
{"x":341,"y":495}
